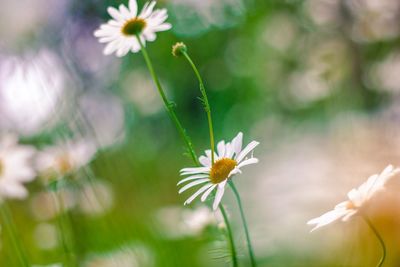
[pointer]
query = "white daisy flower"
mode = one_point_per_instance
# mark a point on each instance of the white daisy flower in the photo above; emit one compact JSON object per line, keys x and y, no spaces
{"x":357,"y":198}
{"x":229,"y":158}
{"x":64,"y":158}
{"x":15,"y":167}
{"x":121,"y":31}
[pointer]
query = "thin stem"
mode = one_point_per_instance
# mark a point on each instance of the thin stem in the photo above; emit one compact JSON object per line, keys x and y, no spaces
{"x":378,"y":236}
{"x":65,"y":229}
{"x":207,"y":108}
{"x":205,"y":102}
{"x":169,"y":105}
{"x":246,"y":229}
{"x":8,"y":223}
{"x":230,"y":237}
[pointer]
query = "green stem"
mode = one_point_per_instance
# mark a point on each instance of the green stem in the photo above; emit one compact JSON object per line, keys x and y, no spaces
{"x":378,"y":236}
{"x":246,"y":229}
{"x":185,"y":137}
{"x":230,"y":236}
{"x":65,"y":230}
{"x":169,"y":105}
{"x":8,"y":223}
{"x":205,"y":101}
{"x":207,"y":108}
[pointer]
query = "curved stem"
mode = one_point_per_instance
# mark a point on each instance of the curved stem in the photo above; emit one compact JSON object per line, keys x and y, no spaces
{"x":185,"y":137}
{"x":246,"y":229}
{"x":207,"y":108}
{"x":168,"y":105}
{"x":230,"y":237}
{"x":8,"y":223}
{"x":378,"y":236}
{"x":205,"y":102}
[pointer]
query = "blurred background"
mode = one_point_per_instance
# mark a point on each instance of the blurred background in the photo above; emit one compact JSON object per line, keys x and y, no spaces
{"x":317,"y":82}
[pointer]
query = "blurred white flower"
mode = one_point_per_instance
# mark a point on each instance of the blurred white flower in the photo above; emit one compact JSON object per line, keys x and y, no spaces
{"x":51,"y":265}
{"x":374,"y":20}
{"x":95,"y":198}
{"x":15,"y":167}
{"x":385,"y":74}
{"x":35,"y":19}
{"x":29,"y":96}
{"x":44,"y":208}
{"x":357,"y":198}
{"x":121,"y":31}
{"x":46,"y":236}
{"x":135,"y":255}
{"x":101,"y":118}
{"x":64,"y":158}
{"x":146,"y":100}
{"x":229,"y":158}
{"x":177,"y":222}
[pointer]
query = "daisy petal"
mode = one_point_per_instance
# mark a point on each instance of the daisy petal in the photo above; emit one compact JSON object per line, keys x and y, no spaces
{"x":219,"y":195}
{"x":193,"y":177}
{"x":201,"y":190}
{"x":133,"y":8}
{"x":114,"y":13}
{"x":246,"y":151}
{"x":248,"y":162}
{"x":237,"y":143}
{"x":194,"y":183}
{"x":221,"y":149}
{"x":205,"y":195}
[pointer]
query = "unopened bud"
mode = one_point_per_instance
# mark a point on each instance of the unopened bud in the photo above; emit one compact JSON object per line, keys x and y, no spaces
{"x":179,"y":49}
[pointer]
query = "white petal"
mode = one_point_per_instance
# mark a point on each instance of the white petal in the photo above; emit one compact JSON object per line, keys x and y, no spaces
{"x":133,"y":7}
{"x":237,"y":143}
{"x":111,"y":47}
{"x":201,"y":190}
{"x":13,"y":190}
{"x":193,"y":177}
{"x":246,"y":151}
{"x":208,"y":154}
{"x":205,"y":161}
{"x":349,"y":215}
{"x":229,"y":150}
{"x":205,"y":195}
{"x":327,"y":218}
{"x":149,"y":36}
{"x":125,"y":12}
{"x":123,"y":50}
{"x":185,"y":171}
{"x":162,"y":27}
{"x":147,"y":9}
{"x":355,"y":197}
{"x":194,"y":183}
{"x":248,"y":162}
{"x":115,"y":14}
{"x":221,"y":149}
{"x":219,"y":195}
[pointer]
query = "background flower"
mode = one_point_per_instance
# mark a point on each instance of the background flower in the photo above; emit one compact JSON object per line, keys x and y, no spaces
{"x":15,"y":167}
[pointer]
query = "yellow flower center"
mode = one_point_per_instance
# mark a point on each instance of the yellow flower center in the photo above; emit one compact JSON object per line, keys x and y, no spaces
{"x":350,"y":205}
{"x":133,"y":26}
{"x":64,"y":164}
{"x":221,"y":169}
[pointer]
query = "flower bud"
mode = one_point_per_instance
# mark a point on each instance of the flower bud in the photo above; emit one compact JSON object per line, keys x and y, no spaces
{"x":179,"y":49}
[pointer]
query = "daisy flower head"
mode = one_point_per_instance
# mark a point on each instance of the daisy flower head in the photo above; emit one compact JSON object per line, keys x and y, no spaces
{"x":64,"y":158}
{"x":15,"y":167}
{"x":228,"y":161}
{"x":357,"y":199}
{"x":121,"y":32}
